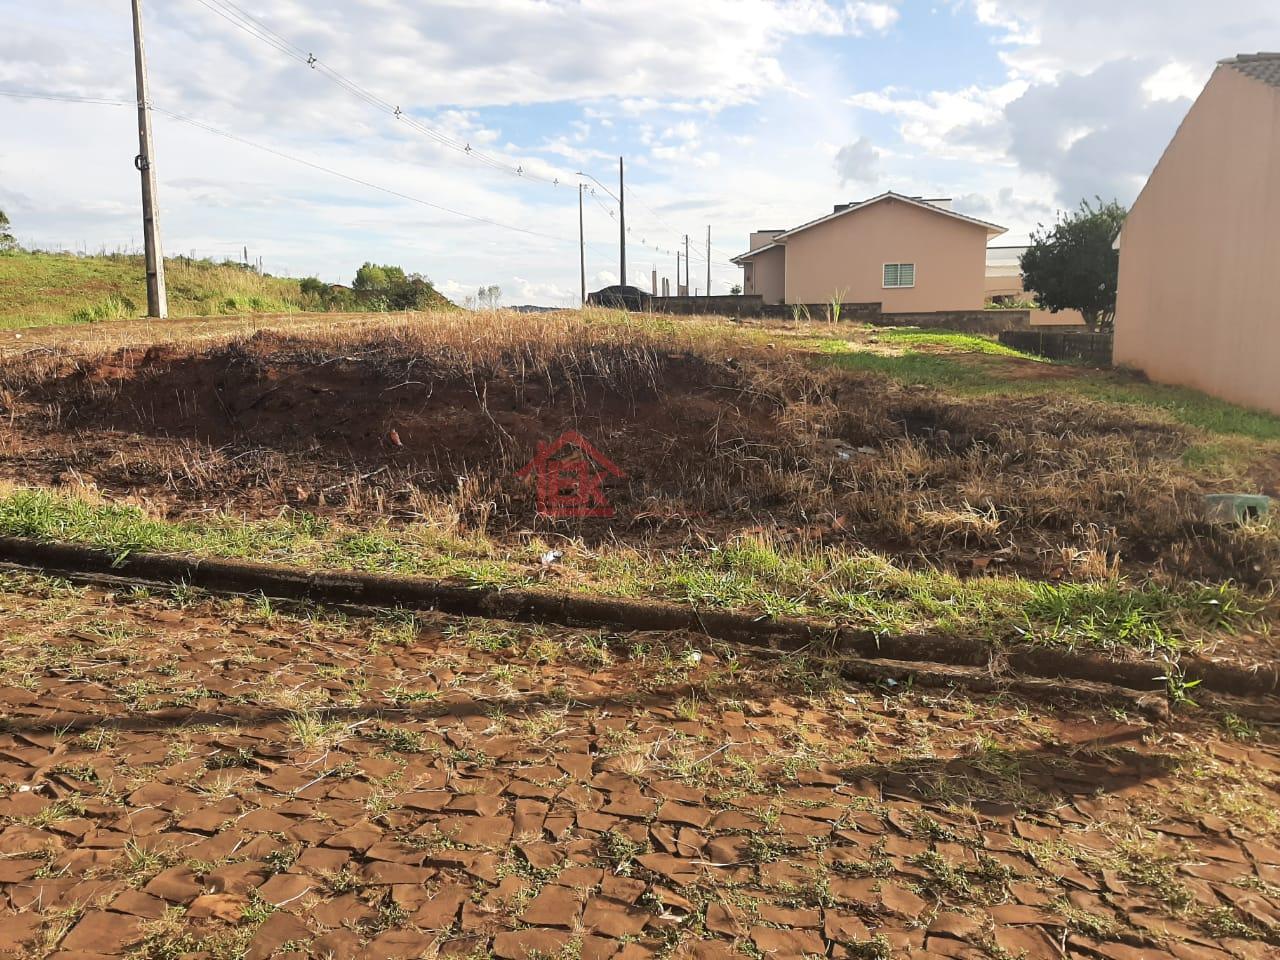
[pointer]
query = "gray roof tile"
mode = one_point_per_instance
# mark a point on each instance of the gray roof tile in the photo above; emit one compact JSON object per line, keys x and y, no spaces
{"x":1259,"y":66}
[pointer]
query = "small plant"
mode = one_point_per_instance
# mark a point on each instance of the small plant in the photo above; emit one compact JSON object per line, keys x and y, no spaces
{"x":227,"y":759}
{"x":398,"y":739}
{"x":687,"y":708}
{"x":1176,"y":684}
{"x":1239,"y":728}
{"x":256,"y":910}
{"x":877,"y":948}
{"x":345,"y":880}
{"x":835,"y":306}
{"x":281,"y":859}
{"x":618,"y":851}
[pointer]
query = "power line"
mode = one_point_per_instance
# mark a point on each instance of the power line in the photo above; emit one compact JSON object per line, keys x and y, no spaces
{"x":255,"y":28}
{"x":353,"y":179}
{"x":236,"y":15}
{"x":64,"y":98}
{"x":183,"y":118}
{"x":103,"y":101}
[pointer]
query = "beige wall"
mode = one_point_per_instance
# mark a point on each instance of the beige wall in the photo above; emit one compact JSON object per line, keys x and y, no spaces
{"x":999,"y":285}
{"x":1063,"y":318}
{"x":846,"y":256}
{"x":766,"y":276}
{"x":1004,"y":285}
{"x":1199,"y":294}
{"x":760,"y":238}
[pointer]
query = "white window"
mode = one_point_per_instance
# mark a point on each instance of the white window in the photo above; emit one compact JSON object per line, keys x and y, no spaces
{"x":899,"y":275}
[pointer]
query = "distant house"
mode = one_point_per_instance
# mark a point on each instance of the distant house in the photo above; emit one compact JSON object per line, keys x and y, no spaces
{"x":1004,"y":287}
{"x":907,"y":253}
{"x":1199,"y":287}
{"x":1004,"y":274}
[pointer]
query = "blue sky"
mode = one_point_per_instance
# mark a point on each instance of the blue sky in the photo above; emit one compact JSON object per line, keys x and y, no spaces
{"x":731,"y":113}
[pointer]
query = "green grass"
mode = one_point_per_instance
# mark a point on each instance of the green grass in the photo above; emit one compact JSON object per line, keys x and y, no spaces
{"x":45,"y":288}
{"x":952,"y":370}
{"x":858,"y":588}
{"x":957,"y":342}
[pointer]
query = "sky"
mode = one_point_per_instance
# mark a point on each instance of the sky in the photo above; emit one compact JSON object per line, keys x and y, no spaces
{"x":450,"y":137}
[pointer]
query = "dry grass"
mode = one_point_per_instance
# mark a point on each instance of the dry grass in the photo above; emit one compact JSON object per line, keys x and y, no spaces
{"x":719,"y":436}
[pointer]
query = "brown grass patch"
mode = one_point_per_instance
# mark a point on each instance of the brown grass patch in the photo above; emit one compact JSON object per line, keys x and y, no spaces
{"x":431,"y":420}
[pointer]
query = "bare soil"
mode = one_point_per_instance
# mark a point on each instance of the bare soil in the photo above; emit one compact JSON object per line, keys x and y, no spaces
{"x":384,"y":425}
{"x":204,"y":778}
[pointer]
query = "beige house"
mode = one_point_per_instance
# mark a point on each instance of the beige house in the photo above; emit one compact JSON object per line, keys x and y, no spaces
{"x":1199,"y":289}
{"x":1004,"y":285}
{"x":1004,"y":273}
{"x":907,"y":253}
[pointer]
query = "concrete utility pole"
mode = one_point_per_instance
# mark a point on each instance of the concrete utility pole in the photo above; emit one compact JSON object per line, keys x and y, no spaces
{"x":677,"y":273}
{"x":582,"y":249}
{"x":688,"y":277}
{"x":708,"y":260}
{"x":157,"y":295}
{"x":622,"y":227}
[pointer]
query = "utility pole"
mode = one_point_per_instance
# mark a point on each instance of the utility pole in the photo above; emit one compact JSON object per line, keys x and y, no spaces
{"x":582,"y":249}
{"x":622,"y":227}
{"x":677,"y":273}
{"x":688,"y":277}
{"x":157,"y":295}
{"x":708,"y":261}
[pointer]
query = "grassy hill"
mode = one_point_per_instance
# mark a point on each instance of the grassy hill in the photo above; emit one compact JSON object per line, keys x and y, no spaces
{"x":38,"y":289}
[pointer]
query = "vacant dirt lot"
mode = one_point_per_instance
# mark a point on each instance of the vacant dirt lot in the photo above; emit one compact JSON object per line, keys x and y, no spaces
{"x":193,"y":777}
{"x":716,"y":435}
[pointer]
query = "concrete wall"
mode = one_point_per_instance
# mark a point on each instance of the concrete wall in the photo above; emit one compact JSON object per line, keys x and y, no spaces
{"x":1000,"y":284}
{"x":766,"y":275}
{"x":725,"y":306}
{"x":846,"y":256}
{"x":1199,"y":295}
{"x":963,"y":321}
{"x":1063,"y":318}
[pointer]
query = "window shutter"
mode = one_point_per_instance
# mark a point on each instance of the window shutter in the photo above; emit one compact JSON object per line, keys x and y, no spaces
{"x":899,"y":275}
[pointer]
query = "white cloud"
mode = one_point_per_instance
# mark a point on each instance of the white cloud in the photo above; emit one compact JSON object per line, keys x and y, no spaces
{"x":1093,"y":89}
{"x":931,"y":120}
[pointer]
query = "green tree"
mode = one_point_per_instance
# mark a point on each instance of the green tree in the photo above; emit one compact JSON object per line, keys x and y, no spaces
{"x":388,"y":287}
{"x":1074,"y":265}
{"x":369,"y":278}
{"x":7,"y":242}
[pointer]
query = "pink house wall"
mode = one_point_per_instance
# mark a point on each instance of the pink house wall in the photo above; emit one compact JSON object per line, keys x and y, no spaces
{"x":1199,"y":290}
{"x":846,"y":256}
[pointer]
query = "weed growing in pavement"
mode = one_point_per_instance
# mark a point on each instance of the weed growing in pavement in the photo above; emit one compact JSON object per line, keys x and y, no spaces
{"x":397,"y":739}
{"x":343,"y":881}
{"x":877,"y":948}
{"x":618,"y":851}
{"x":257,"y":910}
{"x":396,"y":628}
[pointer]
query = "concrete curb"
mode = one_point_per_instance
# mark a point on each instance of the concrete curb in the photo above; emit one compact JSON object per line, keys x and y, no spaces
{"x":377,"y":590}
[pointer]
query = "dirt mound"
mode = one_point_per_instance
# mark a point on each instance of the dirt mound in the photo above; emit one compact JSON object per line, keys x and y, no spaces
{"x":705,"y":445}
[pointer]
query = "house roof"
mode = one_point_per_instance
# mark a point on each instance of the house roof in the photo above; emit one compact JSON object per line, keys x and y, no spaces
{"x":992,"y":229}
{"x":1259,"y":66}
{"x":754,"y":253}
